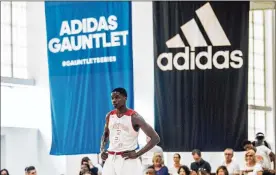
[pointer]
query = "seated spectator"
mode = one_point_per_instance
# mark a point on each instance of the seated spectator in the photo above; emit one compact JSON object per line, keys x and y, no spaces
{"x":251,"y":167}
{"x":202,"y":172}
{"x":147,"y":157}
{"x":150,"y":171}
{"x":232,"y":167}
{"x":222,"y":170}
{"x":87,"y":173}
{"x":4,"y":172}
{"x":93,"y":169}
{"x":85,"y":169}
{"x":199,"y":163}
{"x":30,"y":170}
{"x":183,"y":170}
{"x":176,"y":158}
{"x":264,"y":156}
{"x":159,"y":166}
{"x":247,"y":145}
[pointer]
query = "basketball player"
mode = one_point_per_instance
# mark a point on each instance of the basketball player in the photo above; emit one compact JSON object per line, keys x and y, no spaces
{"x":121,"y":131}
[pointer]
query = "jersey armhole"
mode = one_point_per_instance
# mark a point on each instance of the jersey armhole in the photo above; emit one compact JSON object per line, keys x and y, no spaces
{"x":132,"y":113}
{"x":107,"y":119}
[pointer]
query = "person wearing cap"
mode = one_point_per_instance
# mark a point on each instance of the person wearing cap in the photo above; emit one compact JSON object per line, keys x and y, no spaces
{"x":260,"y":140}
{"x":199,"y":164}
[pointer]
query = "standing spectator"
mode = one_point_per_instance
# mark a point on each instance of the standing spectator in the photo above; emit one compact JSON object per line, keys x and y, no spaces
{"x":4,"y":172}
{"x":232,"y":167}
{"x":176,"y":158}
{"x":199,"y":164}
{"x":260,"y":140}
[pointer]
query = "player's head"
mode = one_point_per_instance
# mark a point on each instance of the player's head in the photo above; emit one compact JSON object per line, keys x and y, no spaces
{"x":118,"y":97}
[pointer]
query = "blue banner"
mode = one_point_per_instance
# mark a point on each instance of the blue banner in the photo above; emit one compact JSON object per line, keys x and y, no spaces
{"x":89,"y":54}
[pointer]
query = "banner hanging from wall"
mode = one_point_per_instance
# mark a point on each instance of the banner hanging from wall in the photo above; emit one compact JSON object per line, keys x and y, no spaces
{"x":200,"y":74}
{"x":89,"y":54}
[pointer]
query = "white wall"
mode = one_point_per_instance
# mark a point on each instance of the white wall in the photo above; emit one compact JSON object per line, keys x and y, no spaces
{"x":21,"y":148}
{"x":3,"y":151}
{"x":35,"y":112}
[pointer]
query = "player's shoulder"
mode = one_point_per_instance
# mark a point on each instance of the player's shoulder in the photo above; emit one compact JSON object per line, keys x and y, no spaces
{"x":113,"y":112}
{"x":130,"y":112}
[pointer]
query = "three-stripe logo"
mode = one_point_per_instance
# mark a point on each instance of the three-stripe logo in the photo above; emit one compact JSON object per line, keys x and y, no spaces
{"x":195,"y":39}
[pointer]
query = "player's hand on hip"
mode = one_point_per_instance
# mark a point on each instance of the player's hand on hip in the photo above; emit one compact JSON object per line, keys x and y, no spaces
{"x":104,"y":155}
{"x":130,"y":155}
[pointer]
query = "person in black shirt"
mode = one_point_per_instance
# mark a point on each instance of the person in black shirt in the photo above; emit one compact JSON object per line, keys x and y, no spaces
{"x":199,"y":164}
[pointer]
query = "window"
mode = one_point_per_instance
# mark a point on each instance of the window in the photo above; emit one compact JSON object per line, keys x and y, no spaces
{"x":13,"y":40}
{"x":260,"y":72}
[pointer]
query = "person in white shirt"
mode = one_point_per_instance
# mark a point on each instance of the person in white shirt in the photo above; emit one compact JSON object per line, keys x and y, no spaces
{"x":264,"y":156}
{"x":121,"y":131}
{"x":232,"y":167}
{"x":174,"y":170}
{"x":251,"y":167}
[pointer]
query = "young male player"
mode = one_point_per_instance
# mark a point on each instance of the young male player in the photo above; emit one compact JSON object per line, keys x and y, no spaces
{"x":121,"y":130}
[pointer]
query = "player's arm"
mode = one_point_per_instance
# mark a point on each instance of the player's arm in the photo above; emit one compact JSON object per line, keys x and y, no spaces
{"x":272,"y":158}
{"x":138,"y":120}
{"x":105,"y":138}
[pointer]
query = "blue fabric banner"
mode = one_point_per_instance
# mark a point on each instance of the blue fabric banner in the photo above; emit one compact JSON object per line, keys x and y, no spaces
{"x":89,"y":54}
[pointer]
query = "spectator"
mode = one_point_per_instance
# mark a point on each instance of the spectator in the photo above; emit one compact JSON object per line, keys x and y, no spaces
{"x":146,"y":158}
{"x":87,"y":173}
{"x":159,"y":166}
{"x":222,"y":170}
{"x":30,"y":170}
{"x":199,"y":164}
{"x":202,"y":172}
{"x":4,"y":172}
{"x":251,"y":167}
{"x":232,"y":167}
{"x":176,"y":158}
{"x":260,"y":140}
{"x":85,"y":169}
{"x":183,"y":170}
{"x":264,"y":156}
{"x":150,"y":171}
{"x":93,"y":169}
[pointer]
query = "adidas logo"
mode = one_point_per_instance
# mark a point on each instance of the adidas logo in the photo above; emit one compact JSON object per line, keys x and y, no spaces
{"x":195,"y":39}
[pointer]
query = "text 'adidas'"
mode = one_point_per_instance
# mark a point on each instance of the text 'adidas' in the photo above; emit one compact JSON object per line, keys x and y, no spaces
{"x":192,"y":60}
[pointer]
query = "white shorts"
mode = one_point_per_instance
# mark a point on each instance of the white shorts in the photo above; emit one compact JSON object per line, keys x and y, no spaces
{"x":117,"y":165}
